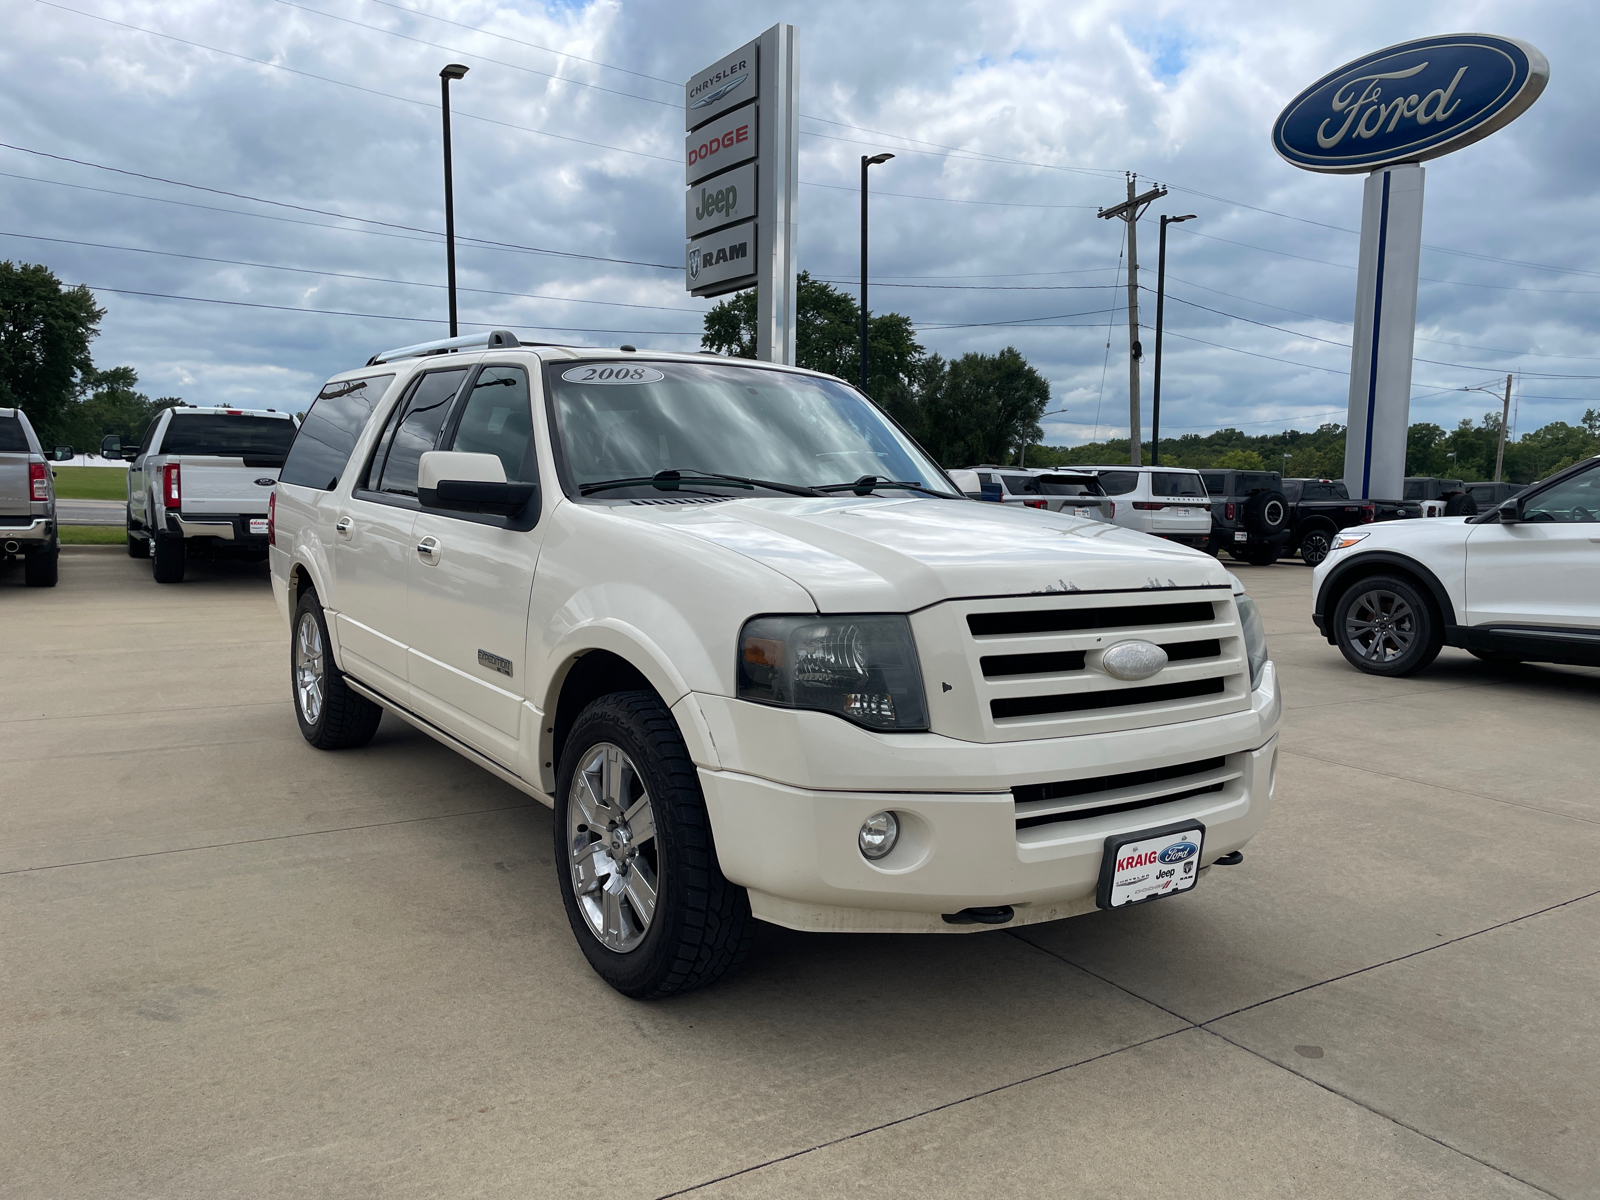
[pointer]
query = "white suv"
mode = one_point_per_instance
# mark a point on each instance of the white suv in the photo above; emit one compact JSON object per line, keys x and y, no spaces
{"x":1169,"y":502}
{"x":1054,"y":489}
{"x":1520,"y":583}
{"x":758,"y":654}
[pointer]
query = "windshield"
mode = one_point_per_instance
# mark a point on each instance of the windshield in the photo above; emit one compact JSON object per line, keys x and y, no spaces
{"x":263,"y":440}
{"x":633,"y":420}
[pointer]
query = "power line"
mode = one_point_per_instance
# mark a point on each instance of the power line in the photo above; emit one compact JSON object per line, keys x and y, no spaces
{"x":986,"y":287}
{"x":333,"y":312}
{"x":261,"y":62}
{"x":234,"y":262}
{"x":322,"y":212}
{"x":839,"y":187}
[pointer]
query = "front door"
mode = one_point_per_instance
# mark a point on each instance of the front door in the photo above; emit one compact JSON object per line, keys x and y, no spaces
{"x":1545,"y":569}
{"x":373,"y":543}
{"x":471,"y":580}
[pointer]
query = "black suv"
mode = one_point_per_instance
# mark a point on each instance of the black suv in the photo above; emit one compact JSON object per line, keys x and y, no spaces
{"x":1249,"y":515}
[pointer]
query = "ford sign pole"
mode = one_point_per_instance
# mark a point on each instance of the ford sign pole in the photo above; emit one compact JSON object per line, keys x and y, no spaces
{"x":741,"y":161}
{"x":1386,"y":114}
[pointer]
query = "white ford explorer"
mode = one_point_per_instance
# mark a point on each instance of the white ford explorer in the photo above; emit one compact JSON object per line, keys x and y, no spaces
{"x":758,"y":653}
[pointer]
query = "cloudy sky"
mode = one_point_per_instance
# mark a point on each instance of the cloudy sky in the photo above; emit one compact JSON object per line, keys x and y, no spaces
{"x":242,"y":162}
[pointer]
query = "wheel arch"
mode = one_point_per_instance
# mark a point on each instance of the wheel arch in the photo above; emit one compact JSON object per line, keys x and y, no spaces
{"x":1384,"y":562}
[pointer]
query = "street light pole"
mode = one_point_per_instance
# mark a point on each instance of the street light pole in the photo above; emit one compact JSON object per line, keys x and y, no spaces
{"x":452,"y":71}
{"x":1161,"y":307}
{"x":866,"y":161}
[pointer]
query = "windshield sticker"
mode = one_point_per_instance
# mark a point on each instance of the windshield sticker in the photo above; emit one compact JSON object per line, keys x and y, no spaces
{"x":612,"y":375}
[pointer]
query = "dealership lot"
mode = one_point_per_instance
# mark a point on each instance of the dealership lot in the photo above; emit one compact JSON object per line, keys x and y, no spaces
{"x":235,"y":966}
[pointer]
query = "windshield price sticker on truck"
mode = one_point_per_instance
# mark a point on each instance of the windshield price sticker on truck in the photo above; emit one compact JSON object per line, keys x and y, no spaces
{"x":612,"y":375}
{"x":1150,"y":865}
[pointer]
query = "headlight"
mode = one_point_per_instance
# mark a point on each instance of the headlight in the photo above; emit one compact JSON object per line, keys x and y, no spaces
{"x":1344,"y":541}
{"x":863,"y":669}
{"x":1255,"y":637}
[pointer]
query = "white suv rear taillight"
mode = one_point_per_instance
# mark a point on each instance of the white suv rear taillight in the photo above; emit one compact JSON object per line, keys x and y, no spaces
{"x":171,"y":486}
{"x":39,"y":481}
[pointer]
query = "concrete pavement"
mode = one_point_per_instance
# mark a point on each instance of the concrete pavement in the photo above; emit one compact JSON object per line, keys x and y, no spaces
{"x":233,"y":966}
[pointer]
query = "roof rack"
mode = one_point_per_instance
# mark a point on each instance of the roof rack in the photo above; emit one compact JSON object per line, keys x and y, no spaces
{"x":495,"y":339}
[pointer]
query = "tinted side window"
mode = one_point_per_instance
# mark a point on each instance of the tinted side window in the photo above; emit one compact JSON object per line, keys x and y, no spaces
{"x":1019,"y":485}
{"x":1413,"y":489}
{"x":418,"y":430}
{"x":496,"y":419}
{"x":1572,"y":500}
{"x":1119,"y":483}
{"x":1176,"y":483}
{"x":1216,"y":482}
{"x":1325,"y":491}
{"x":149,"y":434}
{"x":329,"y":433}
{"x":1255,"y":481}
{"x":12,"y":438}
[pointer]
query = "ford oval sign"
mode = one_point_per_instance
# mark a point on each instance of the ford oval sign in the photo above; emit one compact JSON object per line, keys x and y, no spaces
{"x":1411,"y":102}
{"x":1178,"y":851}
{"x":1133,"y":660}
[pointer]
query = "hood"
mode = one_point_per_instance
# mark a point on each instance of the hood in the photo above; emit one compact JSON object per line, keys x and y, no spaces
{"x":873,"y":554}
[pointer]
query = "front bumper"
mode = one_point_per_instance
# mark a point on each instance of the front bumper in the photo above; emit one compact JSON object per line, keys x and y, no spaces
{"x":794,"y":847}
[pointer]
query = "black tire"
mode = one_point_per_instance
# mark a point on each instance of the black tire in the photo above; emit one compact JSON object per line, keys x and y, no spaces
{"x":41,"y":568}
{"x":137,"y":546}
{"x":1315,"y":545}
{"x":1266,"y":514}
{"x":166,"y":558}
{"x":1461,"y":505}
{"x":700,"y":927}
{"x":1256,"y":555}
{"x":340,"y":719}
{"x":1385,"y":625}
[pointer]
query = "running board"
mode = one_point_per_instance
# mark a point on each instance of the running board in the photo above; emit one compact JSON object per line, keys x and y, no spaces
{"x":477,"y":757}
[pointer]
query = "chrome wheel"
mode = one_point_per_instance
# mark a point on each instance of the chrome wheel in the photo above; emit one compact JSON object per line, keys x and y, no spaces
{"x":309,"y":668}
{"x":611,"y":848}
{"x":1380,"y":626}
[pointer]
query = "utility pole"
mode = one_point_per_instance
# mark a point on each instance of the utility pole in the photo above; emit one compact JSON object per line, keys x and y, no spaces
{"x":1505,"y":419}
{"x":1130,"y":210}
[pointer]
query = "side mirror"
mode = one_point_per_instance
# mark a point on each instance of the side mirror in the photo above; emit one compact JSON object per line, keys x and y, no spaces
{"x":61,"y":454}
{"x":1510,"y":511}
{"x":111,"y":446}
{"x":456,"y":482}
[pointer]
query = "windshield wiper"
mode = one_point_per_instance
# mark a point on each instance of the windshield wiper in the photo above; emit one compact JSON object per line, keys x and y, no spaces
{"x":669,"y":481}
{"x":867,"y":484}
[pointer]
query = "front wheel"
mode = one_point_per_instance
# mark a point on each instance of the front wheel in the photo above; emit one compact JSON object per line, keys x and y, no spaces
{"x":639,"y":877}
{"x":331,"y":715}
{"x":1384,"y":626}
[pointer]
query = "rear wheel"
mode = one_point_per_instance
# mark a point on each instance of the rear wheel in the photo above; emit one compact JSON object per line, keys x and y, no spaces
{"x":166,"y":557}
{"x":1314,"y":546}
{"x":1385,"y":626}
{"x":331,"y":715}
{"x":639,"y":877}
{"x":1256,"y":556}
{"x":41,"y":568}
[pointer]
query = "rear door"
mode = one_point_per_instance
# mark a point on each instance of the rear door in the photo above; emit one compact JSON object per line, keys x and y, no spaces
{"x":1182,"y":504}
{"x":470,"y":581}
{"x":1545,"y":569}
{"x":373,"y":545}
{"x":15,"y":496}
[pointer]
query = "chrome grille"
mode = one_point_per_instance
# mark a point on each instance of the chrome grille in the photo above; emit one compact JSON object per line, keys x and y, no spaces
{"x":1022,"y":667}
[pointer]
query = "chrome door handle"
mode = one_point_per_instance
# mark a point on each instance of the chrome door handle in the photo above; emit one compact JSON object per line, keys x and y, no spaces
{"x":343,"y":526}
{"x":428,"y":550}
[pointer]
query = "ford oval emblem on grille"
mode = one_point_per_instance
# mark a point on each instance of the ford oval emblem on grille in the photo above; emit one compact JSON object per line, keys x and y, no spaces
{"x":1133,"y":660}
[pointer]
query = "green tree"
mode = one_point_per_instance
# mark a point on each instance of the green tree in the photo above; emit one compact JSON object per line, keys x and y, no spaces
{"x":827,"y":338}
{"x":45,"y":330}
{"x":980,"y":408}
{"x":112,"y":405}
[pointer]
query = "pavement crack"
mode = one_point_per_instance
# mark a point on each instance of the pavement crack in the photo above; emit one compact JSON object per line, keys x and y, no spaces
{"x":1378,"y":1112}
{"x":860,"y":1133}
{"x":279,"y":837}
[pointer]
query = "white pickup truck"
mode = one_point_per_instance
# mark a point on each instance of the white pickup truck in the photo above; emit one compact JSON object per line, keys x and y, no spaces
{"x":758,"y":653}
{"x":200,"y":482}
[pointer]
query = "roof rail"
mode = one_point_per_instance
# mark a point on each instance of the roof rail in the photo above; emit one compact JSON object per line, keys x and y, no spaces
{"x":495,"y":339}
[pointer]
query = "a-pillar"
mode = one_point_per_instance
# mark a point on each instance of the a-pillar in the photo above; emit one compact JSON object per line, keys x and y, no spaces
{"x":1385,"y":331}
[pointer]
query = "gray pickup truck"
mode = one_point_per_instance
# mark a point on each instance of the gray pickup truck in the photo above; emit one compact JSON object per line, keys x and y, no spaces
{"x":199,"y":483}
{"x":28,"y":500}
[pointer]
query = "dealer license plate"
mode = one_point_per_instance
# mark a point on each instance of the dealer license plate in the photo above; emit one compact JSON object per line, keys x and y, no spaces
{"x":1150,"y":864}
{"x":1186,"y":512}
{"x":1081,"y":512}
{"x":258,"y":525}
{"x":1241,"y":536}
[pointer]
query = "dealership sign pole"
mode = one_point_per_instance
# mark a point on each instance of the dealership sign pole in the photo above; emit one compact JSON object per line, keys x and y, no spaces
{"x":1384,"y":115}
{"x":741,"y":165}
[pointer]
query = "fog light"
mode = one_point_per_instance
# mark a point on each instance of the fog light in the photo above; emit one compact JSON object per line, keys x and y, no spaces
{"x":879,"y":833}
